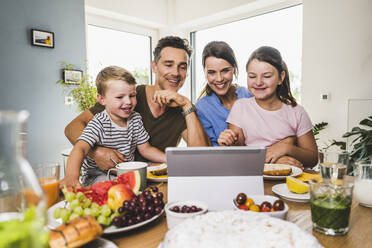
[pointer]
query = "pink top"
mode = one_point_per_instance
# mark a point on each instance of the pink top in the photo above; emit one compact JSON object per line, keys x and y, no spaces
{"x":264,"y":128}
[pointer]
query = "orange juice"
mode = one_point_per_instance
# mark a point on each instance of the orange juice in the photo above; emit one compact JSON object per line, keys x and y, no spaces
{"x":51,"y":189}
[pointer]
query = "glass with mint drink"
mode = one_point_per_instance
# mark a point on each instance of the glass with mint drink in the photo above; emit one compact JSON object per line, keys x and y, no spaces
{"x":330,"y":206}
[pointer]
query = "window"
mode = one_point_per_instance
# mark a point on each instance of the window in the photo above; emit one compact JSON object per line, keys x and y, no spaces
{"x":107,"y":47}
{"x":281,"y":29}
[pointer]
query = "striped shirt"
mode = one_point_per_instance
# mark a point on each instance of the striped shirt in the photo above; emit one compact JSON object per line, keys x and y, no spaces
{"x":102,"y":131}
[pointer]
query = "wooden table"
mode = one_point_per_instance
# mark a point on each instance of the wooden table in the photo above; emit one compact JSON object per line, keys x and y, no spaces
{"x":359,"y":235}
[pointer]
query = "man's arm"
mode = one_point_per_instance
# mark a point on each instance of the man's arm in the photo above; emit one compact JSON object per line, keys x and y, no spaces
{"x":75,"y":128}
{"x":194,"y":134}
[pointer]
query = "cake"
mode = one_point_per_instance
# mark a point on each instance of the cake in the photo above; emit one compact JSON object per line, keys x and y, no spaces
{"x":277,"y":170}
{"x":237,"y":229}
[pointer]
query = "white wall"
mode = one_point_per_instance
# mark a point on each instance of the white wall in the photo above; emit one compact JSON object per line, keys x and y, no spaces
{"x":337,"y":58}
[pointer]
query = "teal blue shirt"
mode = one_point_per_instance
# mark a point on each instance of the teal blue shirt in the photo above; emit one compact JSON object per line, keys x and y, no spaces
{"x":212,"y":114}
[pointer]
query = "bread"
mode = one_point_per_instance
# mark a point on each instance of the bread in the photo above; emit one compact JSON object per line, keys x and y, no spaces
{"x":159,"y":170}
{"x":76,"y":233}
{"x":238,"y":229}
{"x":277,"y":170}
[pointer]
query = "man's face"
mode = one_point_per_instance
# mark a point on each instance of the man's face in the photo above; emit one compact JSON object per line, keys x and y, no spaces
{"x":171,"y":69}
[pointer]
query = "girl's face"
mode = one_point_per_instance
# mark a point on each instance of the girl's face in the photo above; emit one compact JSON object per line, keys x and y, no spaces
{"x":263,"y":79}
{"x":219,"y":74}
{"x":119,"y":100}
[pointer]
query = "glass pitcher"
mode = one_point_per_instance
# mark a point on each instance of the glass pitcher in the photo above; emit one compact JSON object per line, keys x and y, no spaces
{"x":363,"y":184}
{"x":22,"y":201}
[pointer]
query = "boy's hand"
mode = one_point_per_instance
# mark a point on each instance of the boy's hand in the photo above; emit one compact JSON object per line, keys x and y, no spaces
{"x":227,"y":138}
{"x":69,"y":182}
{"x":104,"y":157}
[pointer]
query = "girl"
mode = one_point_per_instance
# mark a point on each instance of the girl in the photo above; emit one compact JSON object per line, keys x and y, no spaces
{"x":272,"y":114}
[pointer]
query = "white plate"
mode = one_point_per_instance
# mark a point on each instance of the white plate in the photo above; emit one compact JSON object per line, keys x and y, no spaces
{"x":156,"y":179}
{"x":53,"y":223}
{"x":100,"y":243}
{"x":295,"y":172}
{"x":283,"y":191}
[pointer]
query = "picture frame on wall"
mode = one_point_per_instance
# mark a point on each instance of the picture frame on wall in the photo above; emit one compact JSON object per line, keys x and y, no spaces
{"x":42,"y":38}
{"x":72,"y":76}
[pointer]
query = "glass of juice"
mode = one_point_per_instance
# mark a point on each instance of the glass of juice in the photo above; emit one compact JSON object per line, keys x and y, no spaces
{"x":330,"y":206}
{"x":48,"y":175}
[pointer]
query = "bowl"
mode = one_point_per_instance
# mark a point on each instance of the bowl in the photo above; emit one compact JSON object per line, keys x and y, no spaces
{"x":258,"y":199}
{"x":174,"y":218}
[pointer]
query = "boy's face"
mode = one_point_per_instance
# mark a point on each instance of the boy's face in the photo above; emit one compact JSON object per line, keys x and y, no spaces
{"x":171,"y":69}
{"x":119,"y":99}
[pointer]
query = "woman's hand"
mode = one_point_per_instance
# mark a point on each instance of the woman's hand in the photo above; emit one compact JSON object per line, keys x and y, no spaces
{"x":227,"y":138}
{"x":104,"y":157}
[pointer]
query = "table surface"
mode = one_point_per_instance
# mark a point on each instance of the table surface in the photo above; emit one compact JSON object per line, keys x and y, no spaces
{"x":359,"y":235}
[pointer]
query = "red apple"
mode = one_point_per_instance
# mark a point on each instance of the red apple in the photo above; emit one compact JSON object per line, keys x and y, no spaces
{"x":117,"y":194}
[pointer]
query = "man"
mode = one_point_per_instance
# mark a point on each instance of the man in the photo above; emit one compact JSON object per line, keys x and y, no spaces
{"x":166,"y":114}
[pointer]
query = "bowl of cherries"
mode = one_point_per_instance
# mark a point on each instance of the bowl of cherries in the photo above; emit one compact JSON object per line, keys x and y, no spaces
{"x":177,"y":212}
{"x":265,"y":204}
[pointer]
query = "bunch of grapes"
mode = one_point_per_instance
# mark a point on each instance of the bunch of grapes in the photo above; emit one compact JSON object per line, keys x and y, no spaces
{"x":80,"y":205}
{"x":143,"y":207}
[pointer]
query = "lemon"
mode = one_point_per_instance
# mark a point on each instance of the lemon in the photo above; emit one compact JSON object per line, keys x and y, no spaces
{"x":296,"y":185}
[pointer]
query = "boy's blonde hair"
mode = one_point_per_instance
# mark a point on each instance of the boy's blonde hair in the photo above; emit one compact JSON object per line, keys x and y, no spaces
{"x":112,"y":73}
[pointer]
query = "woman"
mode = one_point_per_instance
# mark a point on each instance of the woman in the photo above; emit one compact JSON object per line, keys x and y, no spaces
{"x":219,"y":95}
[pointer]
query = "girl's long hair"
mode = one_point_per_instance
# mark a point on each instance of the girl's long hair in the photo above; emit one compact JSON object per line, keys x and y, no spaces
{"x":221,"y":50}
{"x":273,"y":57}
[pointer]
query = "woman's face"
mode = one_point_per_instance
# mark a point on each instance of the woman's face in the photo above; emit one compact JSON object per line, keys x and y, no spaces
{"x":219,"y":74}
{"x":263,"y":79}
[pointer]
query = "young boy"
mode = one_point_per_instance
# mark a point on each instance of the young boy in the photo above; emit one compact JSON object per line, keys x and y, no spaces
{"x":118,"y":127}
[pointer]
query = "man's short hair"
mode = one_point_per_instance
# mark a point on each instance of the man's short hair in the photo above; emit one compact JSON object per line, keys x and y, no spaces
{"x":171,"y":41}
{"x":112,"y":73}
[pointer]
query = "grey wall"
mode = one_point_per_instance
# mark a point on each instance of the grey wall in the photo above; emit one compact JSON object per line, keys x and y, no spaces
{"x":28,"y":73}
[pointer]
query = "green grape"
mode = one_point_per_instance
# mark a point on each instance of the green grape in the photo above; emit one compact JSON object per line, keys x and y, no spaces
{"x":65,"y":215}
{"x":102,"y":220}
{"x":80,"y":196}
{"x":95,"y":205}
{"x":105,"y":210}
{"x":112,"y":216}
{"x":64,"y":190}
{"x":88,"y":211}
{"x":57,"y":213}
{"x":75,"y":203}
{"x":73,"y":216}
{"x":86,"y":203}
{"x":69,"y":196}
{"x":95,"y":211}
{"x":78,"y":210}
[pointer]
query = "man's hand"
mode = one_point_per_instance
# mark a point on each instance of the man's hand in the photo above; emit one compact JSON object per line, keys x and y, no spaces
{"x":170,"y":98}
{"x":227,"y":138}
{"x":104,"y":157}
{"x":290,"y":161}
{"x":69,"y":182}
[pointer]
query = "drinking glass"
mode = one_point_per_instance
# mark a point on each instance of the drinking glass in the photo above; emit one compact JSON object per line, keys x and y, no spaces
{"x":330,"y":206}
{"x":334,"y":165}
{"x":48,"y":175}
{"x":363,"y":184}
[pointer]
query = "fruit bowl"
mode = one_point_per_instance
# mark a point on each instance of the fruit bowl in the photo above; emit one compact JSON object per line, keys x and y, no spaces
{"x":174,"y":218}
{"x":259,"y":199}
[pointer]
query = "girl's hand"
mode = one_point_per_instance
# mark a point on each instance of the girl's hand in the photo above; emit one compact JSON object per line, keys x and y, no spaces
{"x":227,"y":138}
{"x":275,"y":151}
{"x":290,"y":161}
{"x":69,"y":182}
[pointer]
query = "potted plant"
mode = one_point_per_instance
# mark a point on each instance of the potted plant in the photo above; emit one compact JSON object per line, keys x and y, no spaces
{"x":83,"y":93}
{"x":362,"y":144}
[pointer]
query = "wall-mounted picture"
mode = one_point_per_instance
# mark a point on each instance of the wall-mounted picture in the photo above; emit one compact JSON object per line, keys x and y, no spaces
{"x":72,"y":76}
{"x":42,"y":38}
